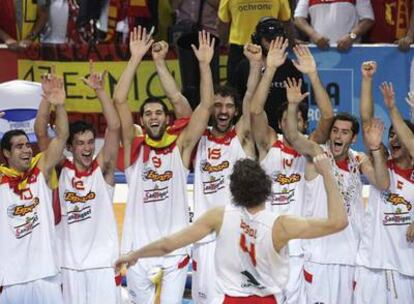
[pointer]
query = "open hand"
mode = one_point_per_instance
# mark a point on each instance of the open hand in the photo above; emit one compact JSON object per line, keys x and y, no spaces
{"x":205,"y":50}
{"x":305,"y":62}
{"x":139,"y":42}
{"x":387,"y":91}
{"x":293,"y":90}
{"x":277,"y":54}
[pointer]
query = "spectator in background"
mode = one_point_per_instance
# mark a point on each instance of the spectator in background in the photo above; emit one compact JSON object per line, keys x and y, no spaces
{"x":243,"y":17}
{"x":21,"y":22}
{"x":340,"y":22}
{"x":267,"y":29}
{"x":56,"y":28}
{"x":394,"y":23}
{"x":203,"y":13}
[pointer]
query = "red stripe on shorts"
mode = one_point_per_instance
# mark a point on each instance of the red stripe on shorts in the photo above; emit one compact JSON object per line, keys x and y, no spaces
{"x":249,"y":300}
{"x":184,"y":262}
{"x":308,"y":276}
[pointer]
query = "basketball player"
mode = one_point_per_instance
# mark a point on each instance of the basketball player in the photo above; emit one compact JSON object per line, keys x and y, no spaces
{"x":89,"y":237}
{"x":385,"y":273}
{"x":219,"y":148}
{"x":329,"y":269}
{"x":29,"y":269}
{"x":282,"y":163}
{"x":157,"y":165}
{"x":251,"y":257}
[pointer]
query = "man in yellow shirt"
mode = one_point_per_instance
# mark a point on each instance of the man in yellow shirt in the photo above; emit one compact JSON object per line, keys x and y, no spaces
{"x":243,"y":17}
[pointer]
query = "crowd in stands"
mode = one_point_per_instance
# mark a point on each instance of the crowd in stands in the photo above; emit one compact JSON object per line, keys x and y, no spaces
{"x":109,"y":21}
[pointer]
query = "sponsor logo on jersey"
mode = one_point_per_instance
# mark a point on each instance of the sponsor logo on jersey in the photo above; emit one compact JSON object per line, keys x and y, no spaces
{"x":22,"y":210}
{"x":396,"y":199}
{"x":398,"y":215}
{"x":155,"y":195}
{"x":74,"y":198}
{"x":157,"y":177}
{"x":207,"y":167}
{"x":24,"y":217}
{"x":285,"y":197}
{"x":251,"y":281}
{"x":392,"y":219}
{"x":213,"y":185}
{"x":79,"y":214}
{"x":283,"y":179}
{"x":27,"y":227}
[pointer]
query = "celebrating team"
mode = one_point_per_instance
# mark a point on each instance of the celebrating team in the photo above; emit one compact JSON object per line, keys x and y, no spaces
{"x":289,"y":228}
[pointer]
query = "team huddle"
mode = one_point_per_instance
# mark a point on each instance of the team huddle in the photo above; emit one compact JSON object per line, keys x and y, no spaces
{"x":278,"y":218}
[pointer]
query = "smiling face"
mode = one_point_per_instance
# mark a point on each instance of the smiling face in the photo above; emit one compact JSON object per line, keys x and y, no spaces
{"x":20,"y":154}
{"x":83,"y":149}
{"x":341,"y":138}
{"x":224,"y":113}
{"x":154,"y":120}
{"x":398,"y":151}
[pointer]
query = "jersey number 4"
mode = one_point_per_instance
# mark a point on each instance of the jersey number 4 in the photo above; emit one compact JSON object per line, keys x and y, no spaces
{"x":249,"y":249}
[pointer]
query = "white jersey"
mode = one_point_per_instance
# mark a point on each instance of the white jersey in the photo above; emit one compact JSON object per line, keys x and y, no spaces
{"x":157,"y":198}
{"x":27,"y":232}
{"x":246,"y":261}
{"x":286,"y":168}
{"x":213,"y":165}
{"x":340,"y":247}
{"x":87,"y":233}
{"x":388,"y":215}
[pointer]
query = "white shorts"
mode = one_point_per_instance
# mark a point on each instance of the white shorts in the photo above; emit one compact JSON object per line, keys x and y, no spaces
{"x":382,"y":287}
{"x":141,"y":289}
{"x":42,"y":291}
{"x":294,"y":292}
{"x":203,"y":288}
{"x":329,"y":283}
{"x":92,"y":286}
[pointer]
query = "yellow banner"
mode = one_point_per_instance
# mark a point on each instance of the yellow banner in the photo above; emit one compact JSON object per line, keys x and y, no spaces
{"x":80,"y":98}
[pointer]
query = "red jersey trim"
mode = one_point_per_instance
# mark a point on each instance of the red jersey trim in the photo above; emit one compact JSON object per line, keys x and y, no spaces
{"x":279,"y":144}
{"x":88,"y":172}
{"x":316,"y":2}
{"x":407,"y":174}
{"x":223,"y":140}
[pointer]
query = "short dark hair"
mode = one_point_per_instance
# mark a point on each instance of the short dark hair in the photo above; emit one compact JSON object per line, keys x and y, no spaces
{"x":250,"y":186}
{"x":226,"y":90}
{"x":347,"y":117}
{"x":153,"y":100}
{"x":303,"y":108}
{"x":7,"y":137}
{"x":79,"y":126}
{"x":407,"y":122}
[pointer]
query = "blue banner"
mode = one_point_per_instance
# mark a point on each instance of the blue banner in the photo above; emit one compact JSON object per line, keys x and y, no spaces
{"x":341,"y":75}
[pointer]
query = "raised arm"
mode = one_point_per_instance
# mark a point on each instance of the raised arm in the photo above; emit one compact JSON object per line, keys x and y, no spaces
{"x":54,"y":151}
{"x":199,"y":120}
{"x":305,"y":63}
{"x":108,"y":154}
{"x":299,"y":141}
{"x":263,"y":134}
{"x":366,"y":106}
{"x":43,"y":113}
{"x":289,"y":227}
{"x":180,"y":104}
{"x":139,"y":44}
{"x":375,"y":167}
{"x":253,"y":53}
{"x":209,"y":222}
{"x":400,"y":127}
